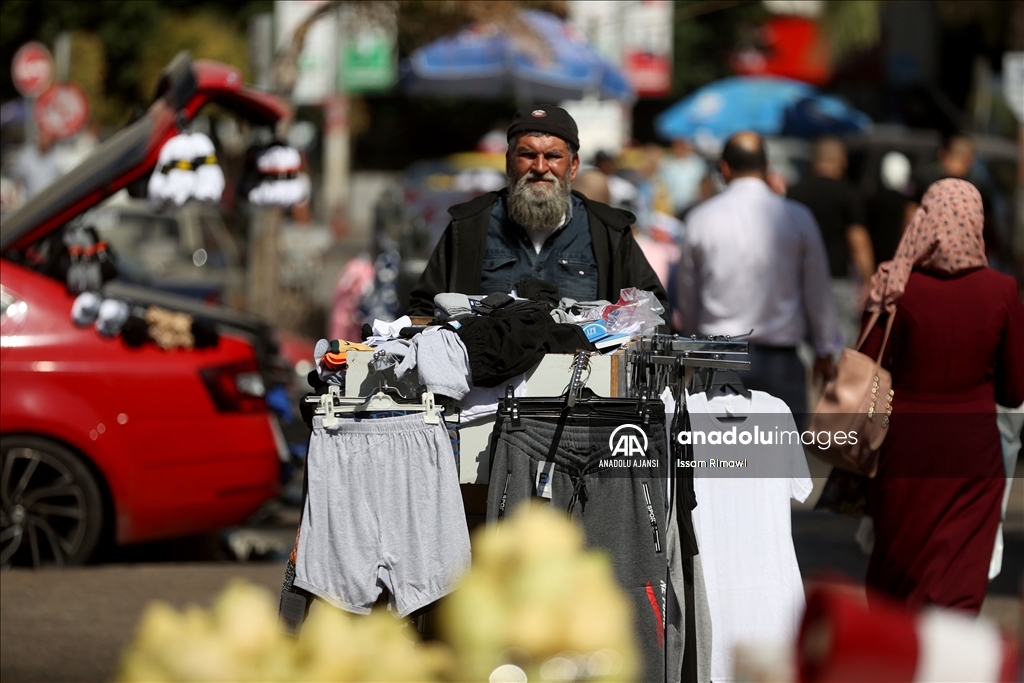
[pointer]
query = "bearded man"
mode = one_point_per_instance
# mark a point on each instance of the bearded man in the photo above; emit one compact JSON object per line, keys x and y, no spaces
{"x":537,"y":228}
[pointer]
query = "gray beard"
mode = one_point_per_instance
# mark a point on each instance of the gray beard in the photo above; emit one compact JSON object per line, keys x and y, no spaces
{"x":538,"y":213}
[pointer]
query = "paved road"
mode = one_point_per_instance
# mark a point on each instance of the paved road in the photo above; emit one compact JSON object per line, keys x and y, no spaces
{"x":71,"y":625}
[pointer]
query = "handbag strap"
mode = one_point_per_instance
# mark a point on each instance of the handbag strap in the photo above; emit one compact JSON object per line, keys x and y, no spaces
{"x":885,"y":339}
{"x":867,"y":330}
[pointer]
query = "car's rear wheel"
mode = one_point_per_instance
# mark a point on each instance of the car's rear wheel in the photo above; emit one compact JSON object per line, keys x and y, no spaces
{"x":52,"y":510}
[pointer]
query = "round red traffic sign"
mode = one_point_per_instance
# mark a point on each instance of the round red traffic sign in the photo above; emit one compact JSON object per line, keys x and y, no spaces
{"x":62,"y":111}
{"x":32,"y":69}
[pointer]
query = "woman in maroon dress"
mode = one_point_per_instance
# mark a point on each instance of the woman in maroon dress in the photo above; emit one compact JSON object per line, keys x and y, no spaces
{"x":956,"y":349}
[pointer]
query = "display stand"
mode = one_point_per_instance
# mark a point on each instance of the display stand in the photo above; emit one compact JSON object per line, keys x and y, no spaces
{"x":550,"y":377}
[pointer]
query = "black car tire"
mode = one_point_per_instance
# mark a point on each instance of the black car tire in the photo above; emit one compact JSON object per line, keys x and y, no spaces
{"x":52,"y":509}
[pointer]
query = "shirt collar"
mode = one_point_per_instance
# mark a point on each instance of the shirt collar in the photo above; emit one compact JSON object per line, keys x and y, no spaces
{"x":568,"y":213}
{"x":748,"y":183}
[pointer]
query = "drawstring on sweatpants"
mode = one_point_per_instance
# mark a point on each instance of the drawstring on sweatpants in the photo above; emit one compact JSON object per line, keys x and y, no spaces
{"x":579,"y":492}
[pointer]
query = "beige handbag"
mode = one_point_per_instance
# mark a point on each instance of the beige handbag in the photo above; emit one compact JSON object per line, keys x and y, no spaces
{"x":855,"y":408}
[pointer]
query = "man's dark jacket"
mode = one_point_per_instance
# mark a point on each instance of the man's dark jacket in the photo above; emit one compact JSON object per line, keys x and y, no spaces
{"x":457,"y":262}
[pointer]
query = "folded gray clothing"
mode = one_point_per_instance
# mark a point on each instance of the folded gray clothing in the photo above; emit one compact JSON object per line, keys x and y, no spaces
{"x":393,"y":354}
{"x":567,"y":303}
{"x":453,"y":304}
{"x":112,"y":316}
{"x":443,"y":362}
{"x":560,"y":316}
{"x":85,"y":308}
{"x":438,"y":356}
{"x":320,"y":350}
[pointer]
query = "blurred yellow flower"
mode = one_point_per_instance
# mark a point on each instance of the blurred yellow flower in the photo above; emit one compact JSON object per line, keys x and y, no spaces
{"x":536,"y":606}
{"x":536,"y":600}
{"x":240,"y":639}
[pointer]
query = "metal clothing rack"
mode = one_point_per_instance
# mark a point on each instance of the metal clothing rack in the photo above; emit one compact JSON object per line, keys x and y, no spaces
{"x":575,"y":397}
{"x":661,"y":360}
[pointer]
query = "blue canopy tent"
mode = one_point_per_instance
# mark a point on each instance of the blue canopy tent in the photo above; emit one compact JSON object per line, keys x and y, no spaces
{"x":480,"y":62}
{"x":770,"y":106}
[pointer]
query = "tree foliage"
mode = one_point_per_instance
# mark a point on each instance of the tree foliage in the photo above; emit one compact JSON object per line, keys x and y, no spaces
{"x":851,"y":26}
{"x":421,"y":21}
{"x":122,"y":39}
{"x":203,"y":32}
{"x":706,"y":33}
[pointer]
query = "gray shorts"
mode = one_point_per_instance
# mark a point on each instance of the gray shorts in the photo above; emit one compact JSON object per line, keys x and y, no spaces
{"x":383,"y":511}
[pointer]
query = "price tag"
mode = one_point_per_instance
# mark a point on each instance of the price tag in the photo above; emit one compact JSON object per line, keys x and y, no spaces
{"x":545,"y":470}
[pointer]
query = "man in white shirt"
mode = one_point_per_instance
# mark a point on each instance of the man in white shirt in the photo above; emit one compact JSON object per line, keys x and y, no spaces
{"x":682,"y":172}
{"x":37,"y":165}
{"x":752,"y":260}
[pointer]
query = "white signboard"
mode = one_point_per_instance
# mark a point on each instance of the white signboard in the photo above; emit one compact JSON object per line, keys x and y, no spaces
{"x":647,"y":47}
{"x":1013,"y":83}
{"x":602,"y":125}
{"x":318,"y":62}
{"x":601,"y":22}
{"x":634,"y":35}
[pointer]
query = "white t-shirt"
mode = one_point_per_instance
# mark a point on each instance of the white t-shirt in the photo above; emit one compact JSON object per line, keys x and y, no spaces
{"x":744,"y":525}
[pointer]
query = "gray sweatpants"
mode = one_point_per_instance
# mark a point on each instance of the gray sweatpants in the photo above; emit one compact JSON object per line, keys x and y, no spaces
{"x":622,"y":510}
{"x":383,"y":511}
{"x":688,"y":613}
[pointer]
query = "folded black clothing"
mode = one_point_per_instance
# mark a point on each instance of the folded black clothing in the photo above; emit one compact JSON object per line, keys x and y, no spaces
{"x":307,"y":410}
{"x":313,"y":380}
{"x":500,"y":348}
{"x":536,"y":289}
{"x":519,"y":308}
{"x":366,"y":331}
{"x":493,"y":302}
{"x":410,"y":332}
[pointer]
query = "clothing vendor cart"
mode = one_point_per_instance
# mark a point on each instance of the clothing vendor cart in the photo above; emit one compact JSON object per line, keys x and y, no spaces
{"x":608,"y":377}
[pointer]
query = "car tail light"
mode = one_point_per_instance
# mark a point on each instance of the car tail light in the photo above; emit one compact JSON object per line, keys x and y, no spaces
{"x":236,"y":388}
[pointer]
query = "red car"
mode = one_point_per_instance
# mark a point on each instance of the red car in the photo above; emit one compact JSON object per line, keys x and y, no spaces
{"x":102,"y":441}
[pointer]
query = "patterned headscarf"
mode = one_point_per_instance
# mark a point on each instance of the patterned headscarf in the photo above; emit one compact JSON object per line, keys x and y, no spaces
{"x":945,"y":235}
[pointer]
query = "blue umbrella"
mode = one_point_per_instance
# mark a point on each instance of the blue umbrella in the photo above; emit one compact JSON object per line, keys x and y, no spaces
{"x":770,"y":106}
{"x":480,"y":62}
{"x":824,"y":115}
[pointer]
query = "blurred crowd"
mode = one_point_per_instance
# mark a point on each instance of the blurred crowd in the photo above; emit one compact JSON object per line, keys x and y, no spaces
{"x":662,"y":186}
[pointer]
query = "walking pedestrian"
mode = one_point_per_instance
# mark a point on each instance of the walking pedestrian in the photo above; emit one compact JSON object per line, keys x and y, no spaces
{"x":955,"y":350}
{"x":839,"y":212}
{"x":752,"y":260}
{"x":890,"y":208}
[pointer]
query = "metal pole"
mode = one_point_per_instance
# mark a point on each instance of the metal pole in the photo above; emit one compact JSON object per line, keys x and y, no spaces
{"x":337,"y":141}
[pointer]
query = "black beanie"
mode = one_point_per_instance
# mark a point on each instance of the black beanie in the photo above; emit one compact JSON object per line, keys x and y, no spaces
{"x":546,"y":118}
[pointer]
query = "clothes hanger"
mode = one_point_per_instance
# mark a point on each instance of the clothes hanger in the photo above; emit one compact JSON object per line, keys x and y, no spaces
{"x":713,"y":382}
{"x":576,"y":401}
{"x":661,"y":359}
{"x":332,"y":405}
{"x":724,"y":380}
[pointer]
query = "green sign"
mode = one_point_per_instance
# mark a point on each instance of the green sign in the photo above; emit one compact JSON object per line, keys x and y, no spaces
{"x":369,"y":63}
